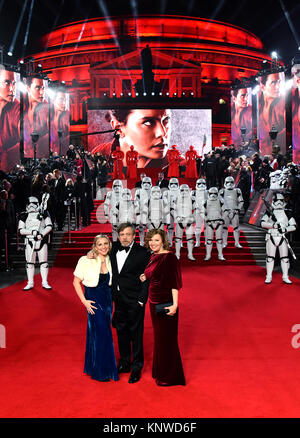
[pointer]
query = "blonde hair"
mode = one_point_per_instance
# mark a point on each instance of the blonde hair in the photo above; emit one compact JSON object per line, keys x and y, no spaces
{"x":96,"y":238}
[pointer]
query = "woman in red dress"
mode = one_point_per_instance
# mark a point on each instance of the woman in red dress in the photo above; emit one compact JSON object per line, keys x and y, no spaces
{"x":164,"y":275}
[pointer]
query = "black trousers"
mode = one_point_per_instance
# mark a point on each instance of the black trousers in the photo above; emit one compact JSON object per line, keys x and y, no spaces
{"x":128,"y":319}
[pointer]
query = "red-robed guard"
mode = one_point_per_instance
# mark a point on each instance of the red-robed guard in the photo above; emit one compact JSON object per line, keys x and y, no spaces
{"x":131,"y":161}
{"x":191,"y":165}
{"x":173,"y":156}
{"x":118,"y":157}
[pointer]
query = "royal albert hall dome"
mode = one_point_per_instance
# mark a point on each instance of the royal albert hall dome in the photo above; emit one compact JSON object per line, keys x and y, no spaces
{"x":101,"y":56}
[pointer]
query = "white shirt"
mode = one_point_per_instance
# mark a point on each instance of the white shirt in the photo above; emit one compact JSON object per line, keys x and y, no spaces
{"x":122,"y":256}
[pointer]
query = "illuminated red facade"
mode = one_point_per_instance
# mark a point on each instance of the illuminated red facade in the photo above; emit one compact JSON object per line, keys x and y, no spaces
{"x":190,"y":55}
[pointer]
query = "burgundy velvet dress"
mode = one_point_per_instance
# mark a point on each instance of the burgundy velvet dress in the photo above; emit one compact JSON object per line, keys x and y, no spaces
{"x":163,"y":272}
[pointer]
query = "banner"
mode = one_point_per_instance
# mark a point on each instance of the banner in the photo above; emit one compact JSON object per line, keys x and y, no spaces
{"x":241,"y":116}
{"x":151,"y":131}
{"x":60,"y":122}
{"x":9,"y":119}
{"x":36,"y":115}
{"x":271,"y":112}
{"x":296,"y":113}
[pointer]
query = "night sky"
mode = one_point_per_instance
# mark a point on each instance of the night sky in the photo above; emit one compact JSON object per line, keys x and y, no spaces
{"x":265,"y":18}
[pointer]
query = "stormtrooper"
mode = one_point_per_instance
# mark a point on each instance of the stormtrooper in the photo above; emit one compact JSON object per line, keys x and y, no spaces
{"x":170,"y":197}
{"x":212,"y":214}
{"x":275,"y":180}
{"x":277,"y":225}
{"x":111,"y":202}
{"x":184,"y":217}
{"x":35,"y":225}
{"x":199,"y":196}
{"x":157,"y":210}
{"x":232,"y":199}
{"x":125,"y":208}
{"x":141,"y":203}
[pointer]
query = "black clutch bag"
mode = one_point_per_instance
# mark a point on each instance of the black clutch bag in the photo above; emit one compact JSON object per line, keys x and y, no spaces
{"x":160,"y":308}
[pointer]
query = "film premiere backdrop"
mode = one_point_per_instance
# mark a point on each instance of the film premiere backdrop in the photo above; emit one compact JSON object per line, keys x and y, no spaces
{"x":35,"y":117}
{"x":259,"y":110}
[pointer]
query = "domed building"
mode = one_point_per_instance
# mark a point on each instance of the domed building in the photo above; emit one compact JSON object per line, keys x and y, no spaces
{"x":192,"y":56}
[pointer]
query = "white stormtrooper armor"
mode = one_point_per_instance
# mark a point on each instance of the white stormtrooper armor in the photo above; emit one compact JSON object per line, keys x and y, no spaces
{"x":170,"y":197}
{"x":157,"y":213}
{"x":232,"y":199}
{"x":141,"y":203}
{"x":184,"y":218}
{"x":212,"y":212}
{"x":199,"y":196}
{"x":284,"y":181}
{"x":275,"y":180}
{"x":111,"y":202}
{"x":277,"y":224}
{"x":35,"y":225}
{"x":126,"y":208}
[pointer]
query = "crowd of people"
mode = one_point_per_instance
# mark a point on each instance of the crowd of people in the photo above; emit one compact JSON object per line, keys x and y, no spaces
{"x":71,"y":181}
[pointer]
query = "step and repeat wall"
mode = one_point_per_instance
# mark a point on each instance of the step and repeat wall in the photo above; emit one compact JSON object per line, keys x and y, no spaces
{"x":34,"y":118}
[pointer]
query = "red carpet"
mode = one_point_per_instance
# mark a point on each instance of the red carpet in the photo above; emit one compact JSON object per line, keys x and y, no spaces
{"x":235,"y":338}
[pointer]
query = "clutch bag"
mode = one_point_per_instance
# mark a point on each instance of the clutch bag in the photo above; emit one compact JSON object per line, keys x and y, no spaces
{"x":160,"y":308}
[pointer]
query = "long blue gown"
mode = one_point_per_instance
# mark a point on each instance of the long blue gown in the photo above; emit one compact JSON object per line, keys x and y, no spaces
{"x":100,"y":360}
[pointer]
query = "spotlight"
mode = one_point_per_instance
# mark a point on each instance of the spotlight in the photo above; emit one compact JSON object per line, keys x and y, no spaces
{"x":221,"y":101}
{"x":145,"y":94}
{"x":104,"y":94}
{"x":136,"y":94}
{"x":121,"y":94}
{"x":175,"y":94}
{"x":167,"y":93}
{"x":63,"y":82}
{"x":274,"y":55}
{"x":9,"y":53}
{"x":129,"y":94}
{"x":160,"y":93}
{"x":192,"y":94}
{"x":153,"y":93}
{"x":39,"y":65}
{"x":183,"y":93}
{"x":22,"y":61}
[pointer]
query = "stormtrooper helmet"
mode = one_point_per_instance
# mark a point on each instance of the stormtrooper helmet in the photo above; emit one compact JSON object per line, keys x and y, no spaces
{"x":117,"y":186}
{"x":155,"y":192}
{"x":275,"y":176}
{"x":173,"y":184}
{"x":201,"y":184}
{"x":33,"y":205}
{"x":184,"y":190}
{"x":278,"y":201}
{"x":146,"y":183}
{"x":126,"y":195}
{"x":213,"y":194}
{"x":229,"y":182}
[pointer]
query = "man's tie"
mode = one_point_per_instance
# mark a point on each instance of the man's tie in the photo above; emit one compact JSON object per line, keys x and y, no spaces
{"x":124,"y":248}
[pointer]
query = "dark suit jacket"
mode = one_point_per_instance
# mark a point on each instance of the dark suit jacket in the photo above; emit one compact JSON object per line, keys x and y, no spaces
{"x":164,"y":184}
{"x":131,"y":288}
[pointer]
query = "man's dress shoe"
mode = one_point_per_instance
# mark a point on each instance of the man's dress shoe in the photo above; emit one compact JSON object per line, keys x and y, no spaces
{"x":134,"y":376}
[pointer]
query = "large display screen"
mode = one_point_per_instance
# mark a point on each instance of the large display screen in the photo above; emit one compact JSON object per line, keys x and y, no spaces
{"x":36,"y":115}
{"x":60,"y":122}
{"x":241,"y":116}
{"x":296,"y":113}
{"x":271,"y":112}
{"x":151,"y":131}
{"x":9,"y":119}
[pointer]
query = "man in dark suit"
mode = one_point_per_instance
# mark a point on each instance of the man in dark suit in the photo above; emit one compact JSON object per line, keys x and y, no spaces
{"x":128,"y":261}
{"x":162,"y":182}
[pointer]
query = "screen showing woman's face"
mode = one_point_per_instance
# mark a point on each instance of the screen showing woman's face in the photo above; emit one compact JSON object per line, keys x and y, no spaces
{"x":148,"y":130}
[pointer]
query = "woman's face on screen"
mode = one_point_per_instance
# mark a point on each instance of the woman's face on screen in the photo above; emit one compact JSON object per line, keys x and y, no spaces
{"x":148,"y":130}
